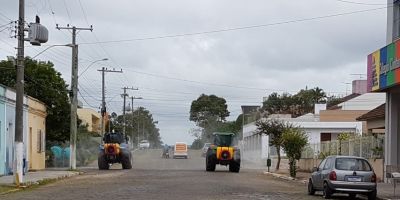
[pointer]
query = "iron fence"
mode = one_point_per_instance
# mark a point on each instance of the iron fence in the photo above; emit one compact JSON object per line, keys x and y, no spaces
{"x":367,"y":147}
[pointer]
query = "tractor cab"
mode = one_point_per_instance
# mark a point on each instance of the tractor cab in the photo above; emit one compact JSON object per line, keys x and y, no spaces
{"x":223,"y":139}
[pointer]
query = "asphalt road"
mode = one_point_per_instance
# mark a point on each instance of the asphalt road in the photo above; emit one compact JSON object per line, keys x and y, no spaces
{"x":153,"y":177}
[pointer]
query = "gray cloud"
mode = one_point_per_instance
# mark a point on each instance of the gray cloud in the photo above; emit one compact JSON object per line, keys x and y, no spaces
{"x":277,"y":58}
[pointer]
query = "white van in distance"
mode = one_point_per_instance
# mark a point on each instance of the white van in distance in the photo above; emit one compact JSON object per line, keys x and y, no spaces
{"x":180,"y":150}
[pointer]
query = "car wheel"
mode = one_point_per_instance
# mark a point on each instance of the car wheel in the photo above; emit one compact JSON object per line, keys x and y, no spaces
{"x":327,"y":191}
{"x":372,"y":195}
{"x":311,"y":190}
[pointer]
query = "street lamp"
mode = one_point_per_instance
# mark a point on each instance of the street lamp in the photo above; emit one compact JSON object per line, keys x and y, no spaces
{"x":104,"y":59}
{"x":49,"y":47}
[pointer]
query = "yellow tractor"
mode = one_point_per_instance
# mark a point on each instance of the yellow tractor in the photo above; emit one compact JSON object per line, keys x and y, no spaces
{"x":222,"y":152}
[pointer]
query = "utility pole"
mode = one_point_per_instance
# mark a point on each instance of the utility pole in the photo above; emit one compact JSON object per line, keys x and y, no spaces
{"x":103,"y":96}
{"x":37,"y":34}
{"x":74,"y":93}
{"x":124,"y":95}
{"x":132,"y":98}
{"x":19,"y":126}
{"x":138,"y":125}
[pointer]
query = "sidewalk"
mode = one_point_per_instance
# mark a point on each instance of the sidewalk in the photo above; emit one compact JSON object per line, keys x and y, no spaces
{"x":385,"y":190}
{"x":32,"y":178}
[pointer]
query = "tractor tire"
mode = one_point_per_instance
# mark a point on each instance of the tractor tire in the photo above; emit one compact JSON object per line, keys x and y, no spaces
{"x":210,"y":164}
{"x":126,"y":161}
{"x":102,"y":161}
{"x":234,"y":166}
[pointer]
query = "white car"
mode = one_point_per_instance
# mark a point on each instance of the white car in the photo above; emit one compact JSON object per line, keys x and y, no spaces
{"x":144,"y":144}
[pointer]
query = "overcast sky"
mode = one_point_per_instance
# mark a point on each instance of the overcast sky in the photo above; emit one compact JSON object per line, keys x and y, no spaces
{"x":265,"y":46}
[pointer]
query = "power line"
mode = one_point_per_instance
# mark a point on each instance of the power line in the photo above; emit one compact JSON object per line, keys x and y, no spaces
{"x":66,"y":8}
{"x":85,"y":100}
{"x":95,"y":36}
{"x":84,"y":13}
{"x":5,"y":16}
{"x":239,"y":28}
{"x":5,"y":24}
{"x":361,"y":3}
{"x":205,"y":83}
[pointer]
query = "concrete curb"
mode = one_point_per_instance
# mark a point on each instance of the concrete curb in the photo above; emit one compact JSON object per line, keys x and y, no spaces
{"x":43,"y":181}
{"x":284,"y":177}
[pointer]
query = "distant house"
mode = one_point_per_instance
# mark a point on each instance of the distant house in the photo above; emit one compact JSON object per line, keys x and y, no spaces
{"x":375,"y":120}
{"x":353,"y":108}
{"x":2,"y":131}
{"x":36,"y":115}
{"x":36,"y":135}
{"x":10,"y":96}
{"x":91,"y":118}
{"x":257,"y":147}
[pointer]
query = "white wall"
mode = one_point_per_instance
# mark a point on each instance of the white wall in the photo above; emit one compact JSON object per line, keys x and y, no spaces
{"x":255,"y":148}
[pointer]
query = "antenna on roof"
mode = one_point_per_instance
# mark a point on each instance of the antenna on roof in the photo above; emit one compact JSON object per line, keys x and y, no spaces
{"x":362,"y":76}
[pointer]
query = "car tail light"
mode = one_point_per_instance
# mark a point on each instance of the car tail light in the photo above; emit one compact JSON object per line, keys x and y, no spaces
{"x":373,"y":178}
{"x":332,"y":176}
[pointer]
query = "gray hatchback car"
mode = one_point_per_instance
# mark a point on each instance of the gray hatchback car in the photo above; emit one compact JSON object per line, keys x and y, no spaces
{"x":343,"y":174}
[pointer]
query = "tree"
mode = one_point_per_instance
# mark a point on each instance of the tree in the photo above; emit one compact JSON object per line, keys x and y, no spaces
{"x":342,"y":137}
{"x":274,"y":128}
{"x":333,"y":101}
{"x":44,"y":83}
{"x":295,"y":105}
{"x":140,"y":125}
{"x":197,"y":144}
{"x":306,"y":99}
{"x":293,"y":142}
{"x":208,"y":112}
{"x":279,"y":104}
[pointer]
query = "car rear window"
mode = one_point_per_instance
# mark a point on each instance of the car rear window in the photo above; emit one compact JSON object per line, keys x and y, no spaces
{"x":352,"y":164}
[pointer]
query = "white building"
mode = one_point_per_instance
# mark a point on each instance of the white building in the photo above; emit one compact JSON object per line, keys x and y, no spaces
{"x":256,"y":147}
{"x":367,"y":101}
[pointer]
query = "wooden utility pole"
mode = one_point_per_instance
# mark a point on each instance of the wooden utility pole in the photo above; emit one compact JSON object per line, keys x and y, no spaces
{"x":132,"y":98}
{"x":74,"y":93}
{"x":19,"y":103}
{"x":103,"y":95}
{"x":124,"y":95}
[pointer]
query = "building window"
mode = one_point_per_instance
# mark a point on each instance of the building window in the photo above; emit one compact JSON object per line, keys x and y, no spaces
{"x":40,"y":141}
{"x":396,"y":19}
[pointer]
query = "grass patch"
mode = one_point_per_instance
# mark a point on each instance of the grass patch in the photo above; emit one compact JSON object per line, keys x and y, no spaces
{"x":5,"y":189}
{"x":47,"y":181}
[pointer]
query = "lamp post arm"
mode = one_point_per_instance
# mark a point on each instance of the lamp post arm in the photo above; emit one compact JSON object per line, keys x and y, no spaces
{"x":104,"y":59}
{"x":49,"y":47}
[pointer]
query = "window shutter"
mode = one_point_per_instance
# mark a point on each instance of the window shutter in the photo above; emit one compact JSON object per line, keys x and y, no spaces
{"x":39,"y":142}
{"x":43,"y":140}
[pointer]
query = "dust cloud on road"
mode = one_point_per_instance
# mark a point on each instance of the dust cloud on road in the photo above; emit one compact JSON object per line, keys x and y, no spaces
{"x":154,"y":177}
